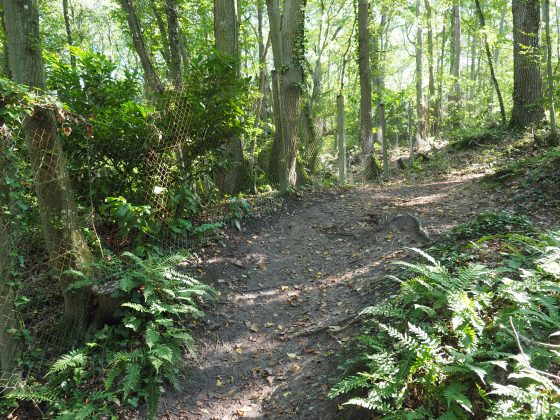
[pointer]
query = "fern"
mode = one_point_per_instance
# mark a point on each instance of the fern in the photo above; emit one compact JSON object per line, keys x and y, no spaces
{"x":450,"y":333}
{"x":74,"y":359}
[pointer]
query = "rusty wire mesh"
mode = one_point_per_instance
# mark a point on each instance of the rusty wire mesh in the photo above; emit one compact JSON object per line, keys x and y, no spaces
{"x":34,"y":330}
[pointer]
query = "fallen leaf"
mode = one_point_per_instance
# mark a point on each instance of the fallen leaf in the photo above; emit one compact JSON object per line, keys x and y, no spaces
{"x":270,"y":380}
{"x":295,"y":368}
{"x":292,"y":355}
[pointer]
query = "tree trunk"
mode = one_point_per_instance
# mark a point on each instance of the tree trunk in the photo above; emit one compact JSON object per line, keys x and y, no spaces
{"x":439,"y":105}
{"x":527,"y":81}
{"x":165,"y":53}
{"x":491,"y":62}
{"x":380,"y":88}
{"x":287,"y":38}
{"x":455,"y":100}
{"x":366,"y":124}
{"x":421,"y":125}
{"x":431,"y":82}
{"x":59,"y":215}
{"x":5,"y":53}
{"x":549,"y":73}
{"x":9,"y":346}
{"x":153,"y":81}
{"x":410,"y":134}
{"x":226,"y":35}
{"x":341,"y":138}
{"x":175,"y":59}
{"x":68,"y":28}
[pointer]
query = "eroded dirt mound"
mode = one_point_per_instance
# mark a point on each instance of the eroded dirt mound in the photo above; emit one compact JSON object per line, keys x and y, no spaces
{"x":291,"y":285}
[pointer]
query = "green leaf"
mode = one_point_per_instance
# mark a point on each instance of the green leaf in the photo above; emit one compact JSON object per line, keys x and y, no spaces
{"x":456,"y":393}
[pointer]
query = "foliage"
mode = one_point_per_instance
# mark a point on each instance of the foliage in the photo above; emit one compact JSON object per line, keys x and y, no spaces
{"x":462,"y":341}
{"x":129,"y":361}
{"x":238,"y":209}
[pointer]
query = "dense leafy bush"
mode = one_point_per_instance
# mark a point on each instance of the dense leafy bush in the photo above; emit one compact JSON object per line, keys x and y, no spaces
{"x":463,"y":341}
{"x":127,"y":362}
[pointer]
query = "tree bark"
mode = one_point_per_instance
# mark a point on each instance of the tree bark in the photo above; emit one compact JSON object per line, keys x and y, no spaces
{"x":421,"y":124}
{"x":68,"y":28}
{"x":175,"y":59}
{"x":9,"y":346}
{"x":226,"y":36}
{"x":431,"y":82}
{"x":162,"y":27}
{"x":491,"y":63}
{"x":527,"y":80}
{"x":341,"y":138}
{"x":366,"y":124}
{"x":153,"y":81}
{"x":5,"y":53}
{"x":549,"y":73}
{"x":455,"y":100}
{"x":59,"y":215}
{"x":288,"y":48}
{"x":379,"y":42}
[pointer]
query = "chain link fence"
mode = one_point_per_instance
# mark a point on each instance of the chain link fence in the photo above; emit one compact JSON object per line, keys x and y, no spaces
{"x":58,"y":215}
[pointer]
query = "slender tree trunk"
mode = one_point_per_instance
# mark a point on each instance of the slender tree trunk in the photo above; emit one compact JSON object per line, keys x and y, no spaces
{"x":341,"y":138}
{"x":421,"y":125}
{"x":380,"y":87}
{"x":226,"y":35}
{"x":175,"y":61}
{"x":59,"y":215}
{"x":162,"y":27}
{"x":366,"y":123}
{"x":491,"y":63}
{"x":455,"y":104}
{"x":153,"y":81}
{"x":68,"y":28}
{"x":410,"y":134}
{"x":439,"y":105}
{"x":549,"y":73}
{"x":431,"y":83}
{"x":501,"y":30}
{"x":527,"y":80}
{"x":474,"y":59}
{"x":340,"y":112}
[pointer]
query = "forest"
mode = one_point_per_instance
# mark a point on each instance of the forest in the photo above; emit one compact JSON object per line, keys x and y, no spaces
{"x":285,"y":209}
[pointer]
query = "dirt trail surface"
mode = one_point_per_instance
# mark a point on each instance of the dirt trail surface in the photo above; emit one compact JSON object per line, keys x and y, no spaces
{"x":291,"y":284}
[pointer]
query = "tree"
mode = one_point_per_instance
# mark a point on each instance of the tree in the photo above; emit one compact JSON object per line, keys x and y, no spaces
{"x":68,"y":28}
{"x":527,"y":81}
{"x":287,"y":34}
{"x":549,"y":73}
{"x":65,"y":244}
{"x":175,"y":59}
{"x":366,"y":124}
{"x":431,"y":75}
{"x":153,"y":81}
{"x":421,"y":125}
{"x":226,"y":35}
{"x":9,"y":347}
{"x":455,"y":98}
{"x":491,"y":63}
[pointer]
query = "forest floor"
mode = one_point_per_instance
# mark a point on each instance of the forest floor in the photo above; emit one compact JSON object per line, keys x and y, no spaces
{"x":292,"y":282}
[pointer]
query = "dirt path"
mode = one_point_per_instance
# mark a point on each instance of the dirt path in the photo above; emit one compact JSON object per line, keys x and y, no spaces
{"x":266,"y":349}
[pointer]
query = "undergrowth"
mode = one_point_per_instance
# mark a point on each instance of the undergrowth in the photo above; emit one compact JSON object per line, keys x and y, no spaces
{"x":127,"y":363}
{"x":473,"y":333}
{"x":534,"y":178}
